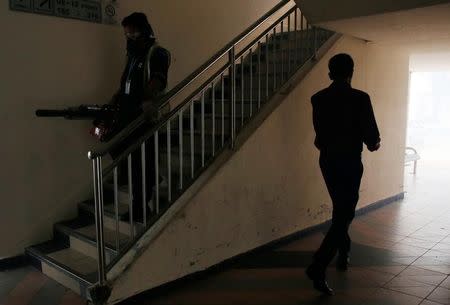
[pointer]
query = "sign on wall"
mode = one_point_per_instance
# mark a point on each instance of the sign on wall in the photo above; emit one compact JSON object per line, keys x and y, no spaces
{"x":98,"y":11}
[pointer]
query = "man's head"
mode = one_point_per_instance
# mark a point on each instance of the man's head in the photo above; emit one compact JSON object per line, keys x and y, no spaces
{"x":136,"y":27}
{"x":341,"y":67}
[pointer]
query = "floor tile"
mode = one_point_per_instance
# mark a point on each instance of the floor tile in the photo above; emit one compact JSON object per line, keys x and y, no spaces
{"x":425,"y":279}
{"x":428,"y":261}
{"x":420,"y":291}
{"x":419,"y":271}
{"x":446,"y":283}
{"x":428,"y":302}
{"x":442,"y":246}
{"x":440,"y":295}
{"x":394,"y":270}
{"x":26,"y":290}
{"x":443,"y":269}
{"x":390,"y":297}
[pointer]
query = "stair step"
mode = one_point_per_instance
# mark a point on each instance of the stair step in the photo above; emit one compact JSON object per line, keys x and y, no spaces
{"x":208,"y":137}
{"x":122,"y":196}
{"x":75,"y":260}
{"x":87,"y":234}
{"x":64,"y":265}
{"x":109,"y":218}
{"x":109,"y":209}
{"x":109,"y":236}
{"x":306,"y":34}
{"x":68,"y":237}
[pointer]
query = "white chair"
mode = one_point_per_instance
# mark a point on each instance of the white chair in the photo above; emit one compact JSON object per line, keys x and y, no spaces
{"x":411,"y":155}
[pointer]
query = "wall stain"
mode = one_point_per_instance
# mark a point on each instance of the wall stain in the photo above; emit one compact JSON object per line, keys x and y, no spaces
{"x":200,"y":252}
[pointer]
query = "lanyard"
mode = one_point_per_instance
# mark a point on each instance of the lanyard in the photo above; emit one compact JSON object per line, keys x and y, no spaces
{"x":128,"y":82}
{"x":133,"y":63}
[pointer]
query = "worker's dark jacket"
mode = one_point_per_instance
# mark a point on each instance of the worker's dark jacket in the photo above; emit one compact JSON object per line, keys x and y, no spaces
{"x":140,"y":70}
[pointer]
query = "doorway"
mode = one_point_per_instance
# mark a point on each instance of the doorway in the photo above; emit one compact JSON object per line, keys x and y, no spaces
{"x":428,"y":127}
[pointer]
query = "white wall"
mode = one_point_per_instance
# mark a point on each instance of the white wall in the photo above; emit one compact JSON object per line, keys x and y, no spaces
{"x":430,"y":62}
{"x":49,"y":62}
{"x":272,"y":186}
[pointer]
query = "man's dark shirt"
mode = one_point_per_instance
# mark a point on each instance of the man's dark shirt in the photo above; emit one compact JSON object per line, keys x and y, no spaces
{"x":131,"y":103}
{"x":343,"y":120}
{"x":159,"y":66}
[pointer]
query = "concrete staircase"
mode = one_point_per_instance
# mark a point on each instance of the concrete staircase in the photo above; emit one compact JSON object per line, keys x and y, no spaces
{"x":71,"y":256}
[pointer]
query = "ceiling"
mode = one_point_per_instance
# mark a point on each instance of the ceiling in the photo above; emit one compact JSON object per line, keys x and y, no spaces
{"x":365,"y":20}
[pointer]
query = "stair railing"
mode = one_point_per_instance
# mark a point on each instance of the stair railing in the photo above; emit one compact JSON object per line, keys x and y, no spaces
{"x":240,"y":79}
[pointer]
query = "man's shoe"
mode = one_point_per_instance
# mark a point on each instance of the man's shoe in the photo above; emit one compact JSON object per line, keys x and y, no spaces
{"x":318,"y":278}
{"x":342,"y":262}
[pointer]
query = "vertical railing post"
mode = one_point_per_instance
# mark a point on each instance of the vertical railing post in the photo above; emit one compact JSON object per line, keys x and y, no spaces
{"x":202,"y":131}
{"x":315,"y":43}
{"x":130,"y":195}
{"x":213,"y":98}
{"x":144,"y":182}
{"x":180,"y":140}
{"x":169,"y":162}
{"x":116,"y":207}
{"x":156,"y":143}
{"x":232,"y":60}
{"x":98,"y":199}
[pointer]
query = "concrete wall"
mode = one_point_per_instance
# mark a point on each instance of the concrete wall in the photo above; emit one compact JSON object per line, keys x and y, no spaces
{"x":272,"y":186}
{"x":430,"y":62}
{"x":50,"y":62}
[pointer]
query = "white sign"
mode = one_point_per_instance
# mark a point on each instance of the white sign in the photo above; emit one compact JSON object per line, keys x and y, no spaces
{"x":98,"y":11}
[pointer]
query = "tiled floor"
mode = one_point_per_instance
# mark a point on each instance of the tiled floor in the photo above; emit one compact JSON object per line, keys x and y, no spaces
{"x":400,"y":256}
{"x":26,"y":286}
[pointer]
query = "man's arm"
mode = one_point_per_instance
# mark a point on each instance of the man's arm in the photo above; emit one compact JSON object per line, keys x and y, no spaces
{"x":371,"y":134}
{"x":315,"y":122}
{"x":157,"y":82}
{"x":159,"y":67}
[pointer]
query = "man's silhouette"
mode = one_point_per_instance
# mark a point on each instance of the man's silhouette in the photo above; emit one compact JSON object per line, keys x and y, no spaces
{"x":343,"y":120}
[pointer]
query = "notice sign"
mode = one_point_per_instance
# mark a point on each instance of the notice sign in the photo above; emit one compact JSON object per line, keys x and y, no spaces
{"x":79,"y":9}
{"x":98,"y":11}
{"x":43,"y":6}
{"x":21,"y":5}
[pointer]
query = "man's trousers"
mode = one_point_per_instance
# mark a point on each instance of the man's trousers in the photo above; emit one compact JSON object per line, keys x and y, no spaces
{"x":342,"y":175}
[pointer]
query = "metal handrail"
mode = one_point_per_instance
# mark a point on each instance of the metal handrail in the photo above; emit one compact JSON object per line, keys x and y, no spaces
{"x":104,"y":149}
{"x":141,"y":119}
{"x":161,"y":123}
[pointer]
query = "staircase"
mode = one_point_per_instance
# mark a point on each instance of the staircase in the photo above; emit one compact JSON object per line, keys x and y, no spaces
{"x":186,"y":142}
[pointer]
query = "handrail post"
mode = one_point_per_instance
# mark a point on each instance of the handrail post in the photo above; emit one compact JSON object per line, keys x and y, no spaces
{"x":315,"y":43}
{"x":232,"y":59}
{"x":98,"y":198}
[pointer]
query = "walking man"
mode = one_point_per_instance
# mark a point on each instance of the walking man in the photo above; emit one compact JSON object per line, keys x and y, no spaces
{"x":343,"y":120}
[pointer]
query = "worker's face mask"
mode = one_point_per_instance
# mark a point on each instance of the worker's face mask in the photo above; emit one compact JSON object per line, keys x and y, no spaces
{"x":132,"y":32}
{"x":137,"y":40}
{"x":133,"y":35}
